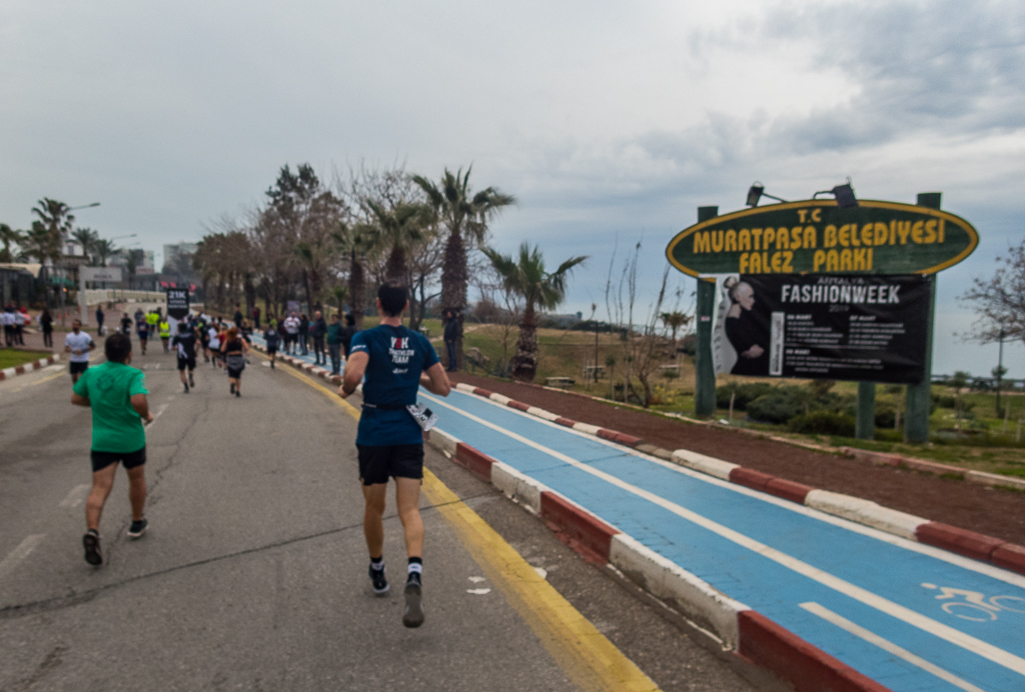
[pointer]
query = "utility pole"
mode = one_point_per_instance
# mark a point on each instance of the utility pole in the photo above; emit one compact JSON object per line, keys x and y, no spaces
{"x":1000,"y":367}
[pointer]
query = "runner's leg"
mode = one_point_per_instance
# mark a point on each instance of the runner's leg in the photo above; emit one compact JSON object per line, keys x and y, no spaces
{"x":136,"y":490}
{"x":373,"y":513}
{"x":407,"y":497}
{"x":103,"y":481}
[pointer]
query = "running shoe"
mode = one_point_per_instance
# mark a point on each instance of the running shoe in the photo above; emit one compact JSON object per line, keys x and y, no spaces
{"x":414,"y":615}
{"x":272,"y":365}
{"x":232,"y":387}
{"x":192,"y":382}
{"x":138,"y":528}
{"x":91,"y":541}
{"x":238,"y":394}
{"x":186,"y":387}
{"x":378,"y":581}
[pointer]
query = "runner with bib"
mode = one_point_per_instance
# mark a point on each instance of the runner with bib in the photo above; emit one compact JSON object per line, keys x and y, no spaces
{"x":234,"y":349}
{"x":389,"y":441}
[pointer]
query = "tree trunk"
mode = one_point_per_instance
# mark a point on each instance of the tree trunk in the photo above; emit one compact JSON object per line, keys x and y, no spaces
{"x":524,"y":364}
{"x":249,"y":290}
{"x":395,"y":268}
{"x":309,"y":293}
{"x":453,"y":286}
{"x":357,"y":290}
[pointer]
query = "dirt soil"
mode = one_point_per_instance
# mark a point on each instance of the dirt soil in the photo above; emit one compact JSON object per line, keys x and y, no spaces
{"x":994,"y":512}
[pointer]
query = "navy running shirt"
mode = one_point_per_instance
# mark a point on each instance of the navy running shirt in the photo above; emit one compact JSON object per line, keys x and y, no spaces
{"x":397,"y":358}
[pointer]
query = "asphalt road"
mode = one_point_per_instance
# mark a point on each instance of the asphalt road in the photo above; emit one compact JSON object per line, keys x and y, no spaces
{"x":253,"y":573}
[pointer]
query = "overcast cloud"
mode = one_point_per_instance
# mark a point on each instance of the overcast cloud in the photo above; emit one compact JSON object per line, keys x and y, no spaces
{"x":608,"y":120}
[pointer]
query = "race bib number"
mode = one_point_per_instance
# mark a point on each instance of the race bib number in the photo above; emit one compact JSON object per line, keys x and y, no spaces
{"x":425,"y":417}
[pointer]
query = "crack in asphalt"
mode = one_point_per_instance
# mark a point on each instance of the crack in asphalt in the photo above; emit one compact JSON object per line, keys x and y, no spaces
{"x":73,"y":599}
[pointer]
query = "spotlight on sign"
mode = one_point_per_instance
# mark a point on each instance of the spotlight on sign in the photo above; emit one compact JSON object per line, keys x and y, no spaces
{"x":844,"y":195}
{"x":756,"y":192}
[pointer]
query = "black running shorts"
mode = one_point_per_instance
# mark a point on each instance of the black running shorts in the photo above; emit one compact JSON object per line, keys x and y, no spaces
{"x":78,"y":368}
{"x":189,"y":363}
{"x":378,"y":463}
{"x":129,"y":460}
{"x":271,"y":350}
{"x":235,"y":374}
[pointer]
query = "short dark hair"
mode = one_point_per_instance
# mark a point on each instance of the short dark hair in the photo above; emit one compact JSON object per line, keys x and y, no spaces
{"x":393,"y":297}
{"x":117,"y":347}
{"x":350,"y":320}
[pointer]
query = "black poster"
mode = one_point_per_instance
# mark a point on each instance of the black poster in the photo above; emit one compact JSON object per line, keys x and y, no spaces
{"x":178,"y":303}
{"x":869,"y":328}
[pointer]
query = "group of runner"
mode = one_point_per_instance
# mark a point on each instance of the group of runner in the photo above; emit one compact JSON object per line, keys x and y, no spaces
{"x":390,"y":360}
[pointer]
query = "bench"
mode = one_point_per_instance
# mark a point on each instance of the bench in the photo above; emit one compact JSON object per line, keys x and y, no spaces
{"x":592,"y":372}
{"x":560,"y":382}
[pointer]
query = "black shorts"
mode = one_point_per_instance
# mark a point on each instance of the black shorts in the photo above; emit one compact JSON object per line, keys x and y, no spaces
{"x":271,"y":350}
{"x":235,"y":374}
{"x":129,"y":460}
{"x":189,"y":363}
{"x":78,"y":368}
{"x":378,"y":463}
{"x":143,"y":336}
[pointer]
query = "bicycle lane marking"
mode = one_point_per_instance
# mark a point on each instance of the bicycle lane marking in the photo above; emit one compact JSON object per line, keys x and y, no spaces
{"x":587,"y":655}
{"x":546,"y":472}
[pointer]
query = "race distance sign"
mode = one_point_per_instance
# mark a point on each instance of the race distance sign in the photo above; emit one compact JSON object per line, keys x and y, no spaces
{"x":817,"y":237}
{"x":863,"y":328}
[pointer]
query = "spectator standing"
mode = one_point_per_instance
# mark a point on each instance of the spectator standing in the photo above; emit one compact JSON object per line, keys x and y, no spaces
{"x":304,"y":333}
{"x":238,"y":315}
{"x":256,"y":318}
{"x":318,"y":330}
{"x":19,"y":326}
{"x":100,"y":316}
{"x":451,"y":337}
{"x":291,"y":326}
{"x":126,"y":325}
{"x":46,"y":324}
{"x":334,"y":344}
{"x":7,"y":319}
{"x":346,"y":334}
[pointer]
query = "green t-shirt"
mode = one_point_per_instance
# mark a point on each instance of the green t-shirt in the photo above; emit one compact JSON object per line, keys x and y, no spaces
{"x":116,"y":425}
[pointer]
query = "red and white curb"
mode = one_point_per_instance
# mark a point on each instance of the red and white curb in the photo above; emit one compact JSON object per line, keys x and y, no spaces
{"x":1010,"y":556}
{"x":736,"y":628}
{"x":28,"y":367}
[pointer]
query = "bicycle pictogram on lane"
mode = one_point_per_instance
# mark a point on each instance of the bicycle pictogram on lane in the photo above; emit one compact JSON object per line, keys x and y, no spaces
{"x":976,"y":606}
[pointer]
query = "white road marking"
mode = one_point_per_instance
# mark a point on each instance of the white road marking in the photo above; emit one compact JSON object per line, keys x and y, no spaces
{"x":479,"y":592}
{"x":75,"y":497}
{"x":477,"y":580}
{"x":884,"y":605}
{"x":15,"y":557}
{"x":542,"y":572}
{"x":887,"y":645}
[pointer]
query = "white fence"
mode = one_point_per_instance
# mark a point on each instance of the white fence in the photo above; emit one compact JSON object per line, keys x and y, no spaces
{"x":117,"y":295}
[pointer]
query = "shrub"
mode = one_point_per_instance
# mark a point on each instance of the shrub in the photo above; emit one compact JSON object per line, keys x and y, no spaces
{"x":886,"y":415}
{"x":823,"y":423}
{"x":778,"y":406}
{"x":746,"y":393}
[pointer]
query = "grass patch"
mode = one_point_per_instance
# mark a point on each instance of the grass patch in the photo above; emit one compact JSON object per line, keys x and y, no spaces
{"x":11,"y":357}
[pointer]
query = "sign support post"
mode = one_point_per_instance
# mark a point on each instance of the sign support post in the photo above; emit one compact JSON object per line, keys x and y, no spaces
{"x":865,"y":424}
{"x":919,"y":396}
{"x":704,"y":369}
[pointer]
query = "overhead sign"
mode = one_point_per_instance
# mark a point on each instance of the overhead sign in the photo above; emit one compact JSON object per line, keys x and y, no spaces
{"x":816,"y":236}
{"x":178,"y":303}
{"x":867,"y":328}
{"x":100,"y":274}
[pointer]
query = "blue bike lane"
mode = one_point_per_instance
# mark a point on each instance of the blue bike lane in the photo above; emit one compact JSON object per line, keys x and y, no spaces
{"x":912,"y":617}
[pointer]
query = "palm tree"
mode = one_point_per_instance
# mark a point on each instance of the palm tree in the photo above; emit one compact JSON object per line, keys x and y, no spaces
{"x":9,"y":236}
{"x":56,"y":217}
{"x":133,"y":258}
{"x":527,"y":278}
{"x":86,"y":237}
{"x":398,"y":229}
{"x":105,"y":249}
{"x":674,"y":320}
{"x":465,"y":216}
{"x":356,"y":241}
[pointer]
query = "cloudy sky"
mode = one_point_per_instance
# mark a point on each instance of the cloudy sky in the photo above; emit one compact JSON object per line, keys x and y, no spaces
{"x":610,"y":121}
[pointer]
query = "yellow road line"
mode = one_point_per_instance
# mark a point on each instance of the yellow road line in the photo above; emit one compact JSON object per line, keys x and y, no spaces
{"x":584,"y":653}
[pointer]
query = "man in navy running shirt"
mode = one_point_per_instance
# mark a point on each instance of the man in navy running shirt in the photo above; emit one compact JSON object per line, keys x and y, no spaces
{"x":389,"y":440}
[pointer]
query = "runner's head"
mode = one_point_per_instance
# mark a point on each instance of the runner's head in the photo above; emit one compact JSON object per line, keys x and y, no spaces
{"x":350,"y":320}
{"x":334,"y":317}
{"x":232,"y":334}
{"x":118,"y":348}
{"x":76,"y":326}
{"x":392,"y":298}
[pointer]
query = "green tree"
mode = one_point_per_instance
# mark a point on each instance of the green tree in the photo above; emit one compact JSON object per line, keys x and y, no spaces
{"x":133,"y":258}
{"x":356,"y":242}
{"x":86,"y":237}
{"x":540,"y":290}
{"x":56,"y":217}
{"x":674,"y":321}
{"x":398,"y":229}
{"x":999,"y":301}
{"x":104,"y":250}
{"x":465,"y":215}
{"x":39,"y":243}
{"x":9,"y":237}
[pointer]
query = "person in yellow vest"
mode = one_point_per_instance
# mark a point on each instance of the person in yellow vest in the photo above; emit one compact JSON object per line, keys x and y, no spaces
{"x":153,"y":319}
{"x":165,"y":332}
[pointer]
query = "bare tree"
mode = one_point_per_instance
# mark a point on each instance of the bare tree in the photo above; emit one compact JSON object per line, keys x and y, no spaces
{"x":999,"y":301}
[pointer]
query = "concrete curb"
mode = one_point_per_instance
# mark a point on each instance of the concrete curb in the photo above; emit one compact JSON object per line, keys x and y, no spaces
{"x":28,"y":367}
{"x":736,"y":628}
{"x":1009,"y":556}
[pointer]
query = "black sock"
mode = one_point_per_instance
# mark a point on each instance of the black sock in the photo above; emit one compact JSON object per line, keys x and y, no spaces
{"x":416,"y":566}
{"x":377,"y":562}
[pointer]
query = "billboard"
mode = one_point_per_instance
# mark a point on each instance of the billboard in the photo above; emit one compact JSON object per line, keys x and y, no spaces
{"x":178,"y":303}
{"x":817,"y":236}
{"x":837,"y":327}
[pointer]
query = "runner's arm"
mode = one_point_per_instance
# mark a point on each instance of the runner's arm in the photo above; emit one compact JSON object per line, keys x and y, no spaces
{"x":435,"y":380}
{"x":141,"y":407}
{"x":79,"y":400}
{"x":355,"y":366}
